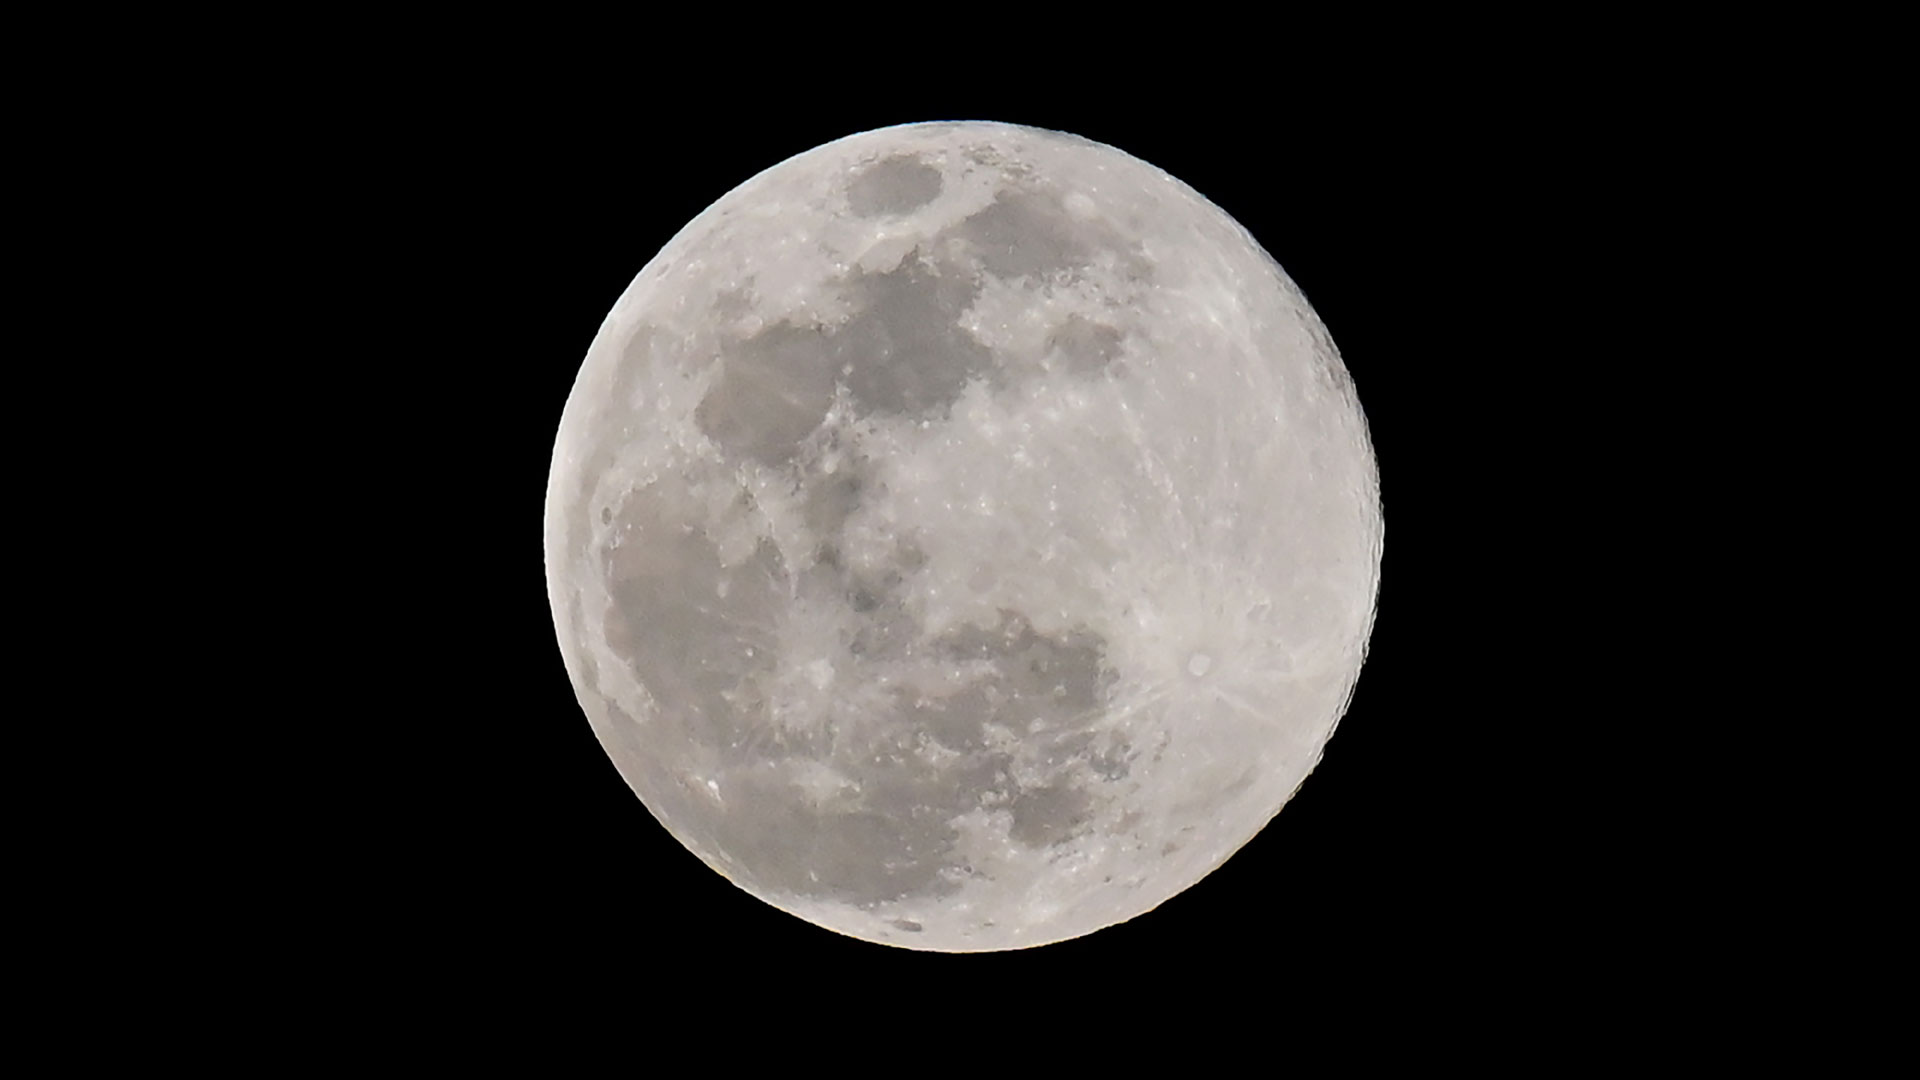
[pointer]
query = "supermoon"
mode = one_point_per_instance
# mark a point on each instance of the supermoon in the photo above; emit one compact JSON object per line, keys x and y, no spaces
{"x":963,"y":536}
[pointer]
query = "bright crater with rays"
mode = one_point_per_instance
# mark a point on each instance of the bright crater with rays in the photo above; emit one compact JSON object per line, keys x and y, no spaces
{"x":963,"y":536}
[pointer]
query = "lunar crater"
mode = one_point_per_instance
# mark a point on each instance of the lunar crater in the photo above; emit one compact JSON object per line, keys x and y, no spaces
{"x":894,"y":185}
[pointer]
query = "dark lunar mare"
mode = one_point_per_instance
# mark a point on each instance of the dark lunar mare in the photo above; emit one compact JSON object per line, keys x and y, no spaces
{"x":702,"y":637}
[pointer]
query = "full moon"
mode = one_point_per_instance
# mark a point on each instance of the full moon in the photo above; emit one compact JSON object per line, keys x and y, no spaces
{"x":963,"y":536}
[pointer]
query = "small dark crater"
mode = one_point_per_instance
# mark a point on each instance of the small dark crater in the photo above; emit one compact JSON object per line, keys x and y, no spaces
{"x":904,"y":351}
{"x":957,"y":722}
{"x":1112,"y":763}
{"x":732,"y":303}
{"x":1086,"y":346}
{"x":1335,"y":374}
{"x":1026,"y":233}
{"x":910,"y":556}
{"x":774,"y":389}
{"x":888,"y":631}
{"x":637,"y":356}
{"x":1238,"y":787}
{"x":908,"y":925}
{"x":1045,"y":816}
{"x":831,"y":500}
{"x":1048,"y":682}
{"x":606,"y":515}
{"x":894,"y":185}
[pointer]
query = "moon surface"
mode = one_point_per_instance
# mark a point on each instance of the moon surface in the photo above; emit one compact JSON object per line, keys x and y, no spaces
{"x":963,"y":536}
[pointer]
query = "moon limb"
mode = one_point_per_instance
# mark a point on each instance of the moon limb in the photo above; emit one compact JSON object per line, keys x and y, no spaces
{"x":963,"y":536}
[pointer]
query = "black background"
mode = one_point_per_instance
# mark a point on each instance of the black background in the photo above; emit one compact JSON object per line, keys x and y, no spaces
{"x":342,"y":272}
{"x":497,"y":842}
{"x":366,"y":256}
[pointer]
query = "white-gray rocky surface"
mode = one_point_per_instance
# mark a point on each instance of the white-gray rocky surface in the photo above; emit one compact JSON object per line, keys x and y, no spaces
{"x":963,"y":536}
